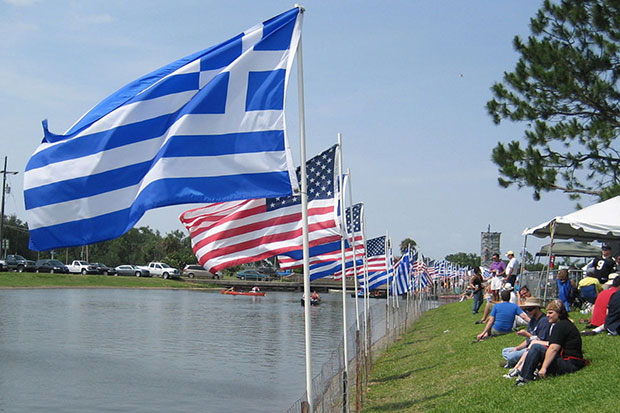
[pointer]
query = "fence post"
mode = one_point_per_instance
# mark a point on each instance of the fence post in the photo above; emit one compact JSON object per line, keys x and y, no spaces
{"x":358,"y":381}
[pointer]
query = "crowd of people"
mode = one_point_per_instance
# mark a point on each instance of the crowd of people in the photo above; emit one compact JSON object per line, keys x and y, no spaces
{"x":550,"y":342}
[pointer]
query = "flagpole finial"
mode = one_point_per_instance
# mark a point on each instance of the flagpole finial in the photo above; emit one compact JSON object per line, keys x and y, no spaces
{"x":300,"y":7}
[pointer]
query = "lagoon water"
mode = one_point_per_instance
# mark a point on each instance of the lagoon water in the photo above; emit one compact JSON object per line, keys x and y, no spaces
{"x":125,"y":350}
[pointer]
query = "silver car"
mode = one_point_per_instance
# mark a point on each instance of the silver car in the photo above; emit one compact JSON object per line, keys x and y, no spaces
{"x":132,"y":270}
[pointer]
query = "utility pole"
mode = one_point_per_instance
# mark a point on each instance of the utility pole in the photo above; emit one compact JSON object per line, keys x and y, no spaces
{"x":4,"y":172}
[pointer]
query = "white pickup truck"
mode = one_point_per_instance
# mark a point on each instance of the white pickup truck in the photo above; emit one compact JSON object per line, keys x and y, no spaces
{"x":82,"y":267}
{"x":163,"y":270}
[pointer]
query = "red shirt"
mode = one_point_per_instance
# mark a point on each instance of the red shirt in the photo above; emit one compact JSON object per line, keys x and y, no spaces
{"x":600,"y":306}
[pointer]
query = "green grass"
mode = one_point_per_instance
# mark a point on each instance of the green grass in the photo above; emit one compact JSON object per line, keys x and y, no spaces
{"x":34,"y":280}
{"x":435,"y":367}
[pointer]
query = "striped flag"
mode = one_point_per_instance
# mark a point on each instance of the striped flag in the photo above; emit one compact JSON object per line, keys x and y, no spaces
{"x":400,"y":282}
{"x":378,"y":270}
{"x":232,"y":233}
{"x":206,"y":128}
{"x":325,"y":260}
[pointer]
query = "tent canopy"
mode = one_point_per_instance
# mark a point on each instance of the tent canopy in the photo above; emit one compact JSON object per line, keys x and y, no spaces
{"x":570,"y":249}
{"x":599,"y":222}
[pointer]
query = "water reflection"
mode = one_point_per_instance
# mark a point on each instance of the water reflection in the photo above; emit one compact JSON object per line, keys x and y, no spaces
{"x":153,"y":350}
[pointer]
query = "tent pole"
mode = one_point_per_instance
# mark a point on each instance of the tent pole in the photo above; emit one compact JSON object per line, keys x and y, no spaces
{"x":550,"y":260}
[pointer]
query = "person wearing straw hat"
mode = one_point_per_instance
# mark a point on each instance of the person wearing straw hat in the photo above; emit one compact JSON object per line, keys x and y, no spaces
{"x":537,"y":329}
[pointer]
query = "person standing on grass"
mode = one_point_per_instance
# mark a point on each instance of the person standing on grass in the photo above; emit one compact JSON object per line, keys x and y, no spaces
{"x":510,"y":275}
{"x":476,"y":285}
{"x":502,"y":318}
{"x":564,"y":354}
{"x":565,"y":287}
{"x":497,"y":268}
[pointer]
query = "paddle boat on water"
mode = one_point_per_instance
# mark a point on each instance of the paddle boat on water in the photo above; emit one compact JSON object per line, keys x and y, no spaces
{"x":255,"y":292}
{"x":315,"y":299}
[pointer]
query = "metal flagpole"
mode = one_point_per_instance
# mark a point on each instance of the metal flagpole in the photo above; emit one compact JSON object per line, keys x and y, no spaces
{"x":387,"y":297}
{"x":304,"y":220}
{"x":354,"y":248}
{"x":550,"y":261}
{"x":343,"y":223}
{"x":366,"y":300}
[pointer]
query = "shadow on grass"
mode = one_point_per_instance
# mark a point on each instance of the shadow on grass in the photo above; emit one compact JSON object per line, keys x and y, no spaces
{"x":416,"y":354}
{"x":404,"y":375}
{"x":386,"y":407}
{"x":415,"y":341}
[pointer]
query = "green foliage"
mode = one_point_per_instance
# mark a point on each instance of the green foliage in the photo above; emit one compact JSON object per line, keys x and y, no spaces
{"x":406,"y":243}
{"x":435,"y":367}
{"x":464,"y":259}
{"x":565,"y":88}
{"x":34,"y":280}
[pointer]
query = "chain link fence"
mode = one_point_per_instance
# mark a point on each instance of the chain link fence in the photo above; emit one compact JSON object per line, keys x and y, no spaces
{"x":336,"y":390}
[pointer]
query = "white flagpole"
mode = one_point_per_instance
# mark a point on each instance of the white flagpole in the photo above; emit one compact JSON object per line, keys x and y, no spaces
{"x":366,"y":300}
{"x":304,"y":220}
{"x":387,"y":298}
{"x":343,"y":264}
{"x":352,"y":238}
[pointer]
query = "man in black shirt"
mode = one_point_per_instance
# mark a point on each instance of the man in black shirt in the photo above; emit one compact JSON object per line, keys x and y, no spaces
{"x":605,"y":265}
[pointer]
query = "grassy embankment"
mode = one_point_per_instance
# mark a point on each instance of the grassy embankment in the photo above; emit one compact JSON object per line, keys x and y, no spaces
{"x":435,"y":367}
{"x":34,"y":280}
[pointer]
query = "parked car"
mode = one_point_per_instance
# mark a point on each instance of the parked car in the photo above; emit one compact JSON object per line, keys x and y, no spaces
{"x":163,"y":270}
{"x":253,"y":275}
{"x":132,"y":270}
{"x":103,"y":269}
{"x":81,"y":267}
{"x":197,"y":271}
{"x":17,"y":263}
{"x":51,"y":266}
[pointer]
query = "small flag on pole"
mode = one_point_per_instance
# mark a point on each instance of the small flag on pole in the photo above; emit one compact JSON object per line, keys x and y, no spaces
{"x":206,"y":128}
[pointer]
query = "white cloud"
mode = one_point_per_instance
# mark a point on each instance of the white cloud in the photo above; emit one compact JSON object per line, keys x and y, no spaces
{"x":97,"y":19}
{"x":21,"y":3}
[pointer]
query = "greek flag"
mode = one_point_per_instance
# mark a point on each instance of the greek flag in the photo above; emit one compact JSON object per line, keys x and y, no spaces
{"x":206,"y":128}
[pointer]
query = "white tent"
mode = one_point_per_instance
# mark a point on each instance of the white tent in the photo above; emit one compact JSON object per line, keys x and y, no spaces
{"x":599,"y":222}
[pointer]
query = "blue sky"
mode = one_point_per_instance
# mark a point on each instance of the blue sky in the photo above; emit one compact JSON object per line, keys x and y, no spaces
{"x":405,"y":82}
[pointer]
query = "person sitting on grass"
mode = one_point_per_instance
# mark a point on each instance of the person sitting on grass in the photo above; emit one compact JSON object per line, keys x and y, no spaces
{"x":599,"y":312}
{"x":612,"y":319}
{"x":564,"y":354}
{"x":524,"y":294}
{"x":537,"y":329}
{"x":589,"y":287}
{"x":502,"y":318}
{"x":488,"y":306}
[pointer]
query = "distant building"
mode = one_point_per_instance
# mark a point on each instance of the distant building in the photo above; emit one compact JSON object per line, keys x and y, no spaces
{"x":489,"y":245}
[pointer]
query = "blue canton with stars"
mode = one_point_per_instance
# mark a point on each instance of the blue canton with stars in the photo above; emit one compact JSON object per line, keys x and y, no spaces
{"x":320,"y":175}
{"x":355,"y":225}
{"x":376,"y":246}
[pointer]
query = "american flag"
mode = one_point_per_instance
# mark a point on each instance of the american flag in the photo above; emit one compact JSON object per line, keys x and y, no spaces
{"x":237,"y":232}
{"x":325,"y":259}
{"x":378,"y":271}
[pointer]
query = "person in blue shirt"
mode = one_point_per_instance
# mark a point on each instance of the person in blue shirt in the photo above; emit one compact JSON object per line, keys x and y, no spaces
{"x":502,"y":318}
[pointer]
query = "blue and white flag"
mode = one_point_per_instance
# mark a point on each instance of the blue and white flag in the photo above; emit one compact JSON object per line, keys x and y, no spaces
{"x":401,"y":281}
{"x":207,"y":128}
